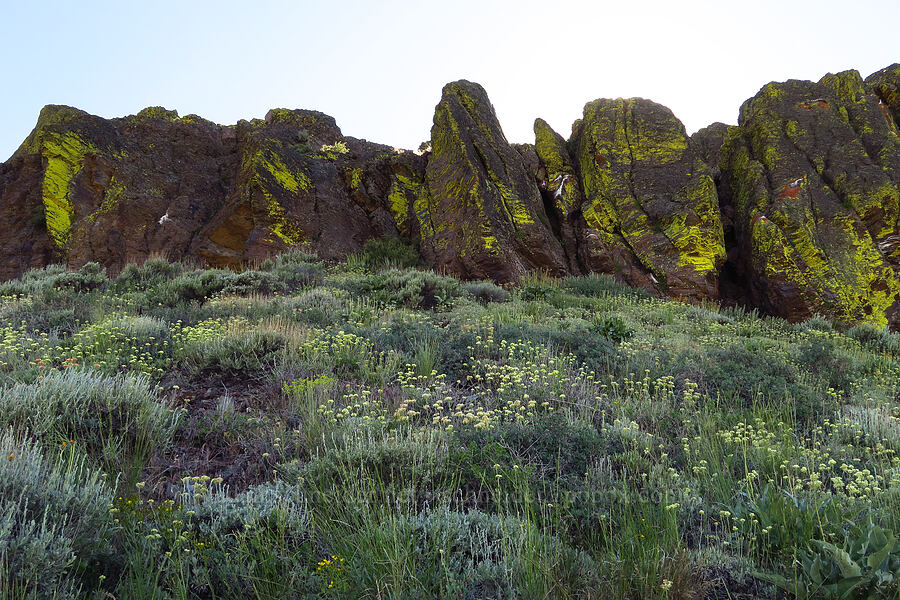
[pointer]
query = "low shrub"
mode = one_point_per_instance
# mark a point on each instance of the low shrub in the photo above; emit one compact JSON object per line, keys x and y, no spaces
{"x":875,"y":338}
{"x":57,"y":286}
{"x":537,"y":290}
{"x":230,"y":346}
{"x":195,"y":286}
{"x":296,"y":276}
{"x":246,"y":283}
{"x":121,"y":343}
{"x":253,"y":545}
{"x":318,"y":306}
{"x":754,"y":376}
{"x":486,"y":291}
{"x":153,"y":272}
{"x":118,"y":421}
{"x":828,"y":363}
{"x":54,"y":520}
{"x":408,"y":288}
{"x":553,"y":448}
{"x":598,"y":285}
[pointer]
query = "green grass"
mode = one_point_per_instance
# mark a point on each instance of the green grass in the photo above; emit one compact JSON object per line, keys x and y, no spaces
{"x":369,"y":430}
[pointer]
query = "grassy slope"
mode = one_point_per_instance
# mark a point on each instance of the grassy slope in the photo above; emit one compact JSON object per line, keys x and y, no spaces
{"x":309,"y":430}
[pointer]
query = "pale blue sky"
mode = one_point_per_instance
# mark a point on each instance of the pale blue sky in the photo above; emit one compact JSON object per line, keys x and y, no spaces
{"x":378,"y":67}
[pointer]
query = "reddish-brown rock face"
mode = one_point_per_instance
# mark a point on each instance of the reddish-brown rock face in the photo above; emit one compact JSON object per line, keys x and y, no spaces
{"x":803,"y":197}
{"x":82,"y":188}
{"x":486,"y":218}
{"x":812,"y":173}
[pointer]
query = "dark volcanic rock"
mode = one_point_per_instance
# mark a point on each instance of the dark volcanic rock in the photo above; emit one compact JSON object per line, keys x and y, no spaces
{"x":561,"y":188}
{"x":650,"y":208}
{"x":795,"y":211}
{"x":886,"y":85}
{"x":813,"y":173}
{"x":485,"y":216}
{"x":82,"y":188}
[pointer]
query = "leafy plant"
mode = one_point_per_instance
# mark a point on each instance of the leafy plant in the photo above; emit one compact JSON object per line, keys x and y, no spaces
{"x":865,"y":567}
{"x":536,"y":291}
{"x":613,"y":328}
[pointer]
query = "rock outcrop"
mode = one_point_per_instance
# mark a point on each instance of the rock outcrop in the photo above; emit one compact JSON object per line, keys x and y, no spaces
{"x":812,"y":173}
{"x":796,"y":210}
{"x":651,"y":210}
{"x":83,"y":188}
{"x":485,"y":215}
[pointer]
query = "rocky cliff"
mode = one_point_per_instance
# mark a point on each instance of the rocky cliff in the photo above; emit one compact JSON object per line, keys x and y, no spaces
{"x":796,"y":210}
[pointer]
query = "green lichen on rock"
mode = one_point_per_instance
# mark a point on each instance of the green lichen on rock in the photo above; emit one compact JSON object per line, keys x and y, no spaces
{"x":486,"y":213}
{"x":356,"y":174}
{"x":886,"y":85}
{"x":111,"y":197}
{"x":156,"y":113}
{"x":847,"y":86}
{"x":408,"y":202}
{"x":333,"y":151}
{"x":53,"y":118}
{"x":64,"y":154}
{"x":816,"y":213}
{"x":281,"y":224}
{"x":562,"y":179}
{"x":268,"y":161}
{"x":649,"y":195}
{"x":270,"y":174}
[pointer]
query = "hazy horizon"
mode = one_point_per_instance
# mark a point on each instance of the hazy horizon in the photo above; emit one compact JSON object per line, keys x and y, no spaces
{"x":378,"y":68}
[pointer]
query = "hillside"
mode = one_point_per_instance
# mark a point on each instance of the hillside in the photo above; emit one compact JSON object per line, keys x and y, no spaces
{"x":793,"y":212}
{"x":366,"y":429}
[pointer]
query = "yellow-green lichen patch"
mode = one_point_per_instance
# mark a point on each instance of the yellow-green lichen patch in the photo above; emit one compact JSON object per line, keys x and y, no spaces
{"x":273,"y":177}
{"x":64,"y":154}
{"x":157,"y":113}
{"x":271,"y":163}
{"x":111,"y":197}
{"x":285,"y":228}
{"x":847,"y":86}
{"x":634,"y":155}
{"x":849,"y":280}
{"x":561,"y":182}
{"x":547,"y":147}
{"x":333,"y":151}
{"x":356,"y":178}
{"x":700,"y":240}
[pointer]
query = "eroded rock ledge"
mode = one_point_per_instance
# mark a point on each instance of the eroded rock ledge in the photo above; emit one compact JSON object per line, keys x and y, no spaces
{"x":796,"y":210}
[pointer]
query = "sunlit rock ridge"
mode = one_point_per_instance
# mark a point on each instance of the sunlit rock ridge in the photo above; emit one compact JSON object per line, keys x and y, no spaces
{"x":795,"y":211}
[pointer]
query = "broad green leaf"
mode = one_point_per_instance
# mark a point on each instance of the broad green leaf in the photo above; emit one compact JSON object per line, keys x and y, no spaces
{"x":876,"y":559}
{"x":846,"y":564}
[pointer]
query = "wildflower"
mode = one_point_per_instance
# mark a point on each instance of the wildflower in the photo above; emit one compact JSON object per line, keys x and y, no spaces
{"x":666,"y":584}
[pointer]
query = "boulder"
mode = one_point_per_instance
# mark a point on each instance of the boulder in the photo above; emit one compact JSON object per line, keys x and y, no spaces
{"x":812,"y":170}
{"x":82,"y":188}
{"x":484,"y":217}
{"x":651,"y":213}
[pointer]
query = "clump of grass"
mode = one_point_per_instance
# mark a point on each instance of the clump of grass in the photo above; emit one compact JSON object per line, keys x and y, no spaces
{"x":118,"y":421}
